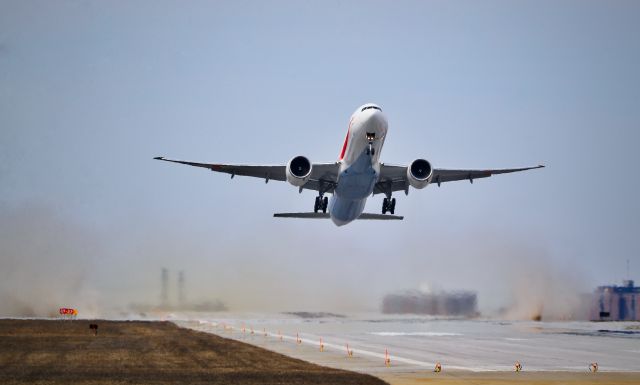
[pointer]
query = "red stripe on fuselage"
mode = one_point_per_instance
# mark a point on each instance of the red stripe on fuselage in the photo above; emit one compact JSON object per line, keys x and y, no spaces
{"x":346,"y":141}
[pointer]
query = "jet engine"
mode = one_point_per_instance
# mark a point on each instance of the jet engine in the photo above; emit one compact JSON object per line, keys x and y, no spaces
{"x":419,"y":173}
{"x":298,"y":171}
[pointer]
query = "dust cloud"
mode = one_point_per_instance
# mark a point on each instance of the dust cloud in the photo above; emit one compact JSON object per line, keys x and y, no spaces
{"x":50,"y":261}
{"x":516,"y":278}
{"x":45,"y":262}
{"x":543,"y":290}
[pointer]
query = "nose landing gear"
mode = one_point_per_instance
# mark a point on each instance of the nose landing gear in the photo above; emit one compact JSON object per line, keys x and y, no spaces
{"x":321,"y":204}
{"x":389,"y":204}
{"x":371,"y":136}
{"x":370,"y":149}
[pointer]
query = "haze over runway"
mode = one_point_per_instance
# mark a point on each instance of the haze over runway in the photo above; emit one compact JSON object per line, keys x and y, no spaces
{"x":91,"y":91}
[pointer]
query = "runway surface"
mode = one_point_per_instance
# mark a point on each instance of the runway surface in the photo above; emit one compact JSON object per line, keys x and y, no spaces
{"x":417,"y":343}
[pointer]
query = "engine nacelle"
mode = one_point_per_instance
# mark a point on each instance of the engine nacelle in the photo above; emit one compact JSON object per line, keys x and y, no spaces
{"x":298,"y":171}
{"x":419,"y":173}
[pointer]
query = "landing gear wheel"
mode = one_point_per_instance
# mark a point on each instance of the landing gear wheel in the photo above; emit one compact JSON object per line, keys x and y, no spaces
{"x":370,"y":150}
{"x":389,"y":205}
{"x":321,"y":204}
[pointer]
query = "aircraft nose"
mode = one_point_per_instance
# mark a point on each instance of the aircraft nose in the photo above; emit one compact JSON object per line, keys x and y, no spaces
{"x":376,"y":119}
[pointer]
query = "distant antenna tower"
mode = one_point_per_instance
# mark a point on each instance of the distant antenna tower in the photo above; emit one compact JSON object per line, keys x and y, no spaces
{"x":181,"y":293}
{"x":164,"y":289}
{"x":628,"y":275}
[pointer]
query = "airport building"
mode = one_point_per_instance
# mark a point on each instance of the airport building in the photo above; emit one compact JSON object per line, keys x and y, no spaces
{"x":459,"y":304}
{"x":616,"y":303}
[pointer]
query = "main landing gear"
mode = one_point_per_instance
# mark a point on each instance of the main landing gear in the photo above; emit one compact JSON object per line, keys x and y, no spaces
{"x":321,"y":204}
{"x":389,"y":204}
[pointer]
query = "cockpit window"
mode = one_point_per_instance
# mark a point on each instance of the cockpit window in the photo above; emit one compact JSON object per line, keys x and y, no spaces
{"x":368,"y":107}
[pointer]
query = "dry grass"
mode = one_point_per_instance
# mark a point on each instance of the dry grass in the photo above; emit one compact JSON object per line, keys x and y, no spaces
{"x":67,"y":352}
{"x":510,"y":378}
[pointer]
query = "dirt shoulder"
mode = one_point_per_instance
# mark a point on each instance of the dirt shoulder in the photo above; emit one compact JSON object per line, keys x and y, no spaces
{"x":138,"y":352}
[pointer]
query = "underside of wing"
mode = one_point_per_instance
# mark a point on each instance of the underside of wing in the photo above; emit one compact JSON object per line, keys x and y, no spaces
{"x":266,"y":172}
{"x":394,"y":178}
{"x":323,"y":177}
{"x":444,"y":175}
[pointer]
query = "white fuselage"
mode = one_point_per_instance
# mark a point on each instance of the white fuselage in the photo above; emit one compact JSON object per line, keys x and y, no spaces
{"x":359,"y":164}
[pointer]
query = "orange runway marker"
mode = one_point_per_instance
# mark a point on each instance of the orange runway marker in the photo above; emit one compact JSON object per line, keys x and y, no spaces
{"x":518,"y":366}
{"x":349,"y":352}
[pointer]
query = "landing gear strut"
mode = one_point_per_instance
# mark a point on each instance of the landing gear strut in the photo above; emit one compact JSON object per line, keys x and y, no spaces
{"x":389,"y":204}
{"x":371,"y":136}
{"x":370,"y":149}
{"x":321,"y":204}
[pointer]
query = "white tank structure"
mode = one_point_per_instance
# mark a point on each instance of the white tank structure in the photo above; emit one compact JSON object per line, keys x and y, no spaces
{"x":454,"y":303}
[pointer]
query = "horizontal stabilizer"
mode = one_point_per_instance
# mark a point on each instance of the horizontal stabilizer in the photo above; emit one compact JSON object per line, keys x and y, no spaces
{"x":302,"y":215}
{"x":326,"y":216}
{"x":380,"y":216}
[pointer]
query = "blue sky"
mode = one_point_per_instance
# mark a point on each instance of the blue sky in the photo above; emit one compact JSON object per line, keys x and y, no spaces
{"x":91,"y":91}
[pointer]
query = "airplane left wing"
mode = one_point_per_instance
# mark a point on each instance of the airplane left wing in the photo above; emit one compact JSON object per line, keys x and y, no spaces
{"x":323,"y":175}
{"x":394,"y":178}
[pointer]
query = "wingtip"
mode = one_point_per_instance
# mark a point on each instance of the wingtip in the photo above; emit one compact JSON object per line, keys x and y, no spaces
{"x":159,"y":158}
{"x":541,"y":166}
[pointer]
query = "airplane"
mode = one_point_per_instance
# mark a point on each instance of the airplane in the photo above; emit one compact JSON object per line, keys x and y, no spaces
{"x":356,"y":175}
